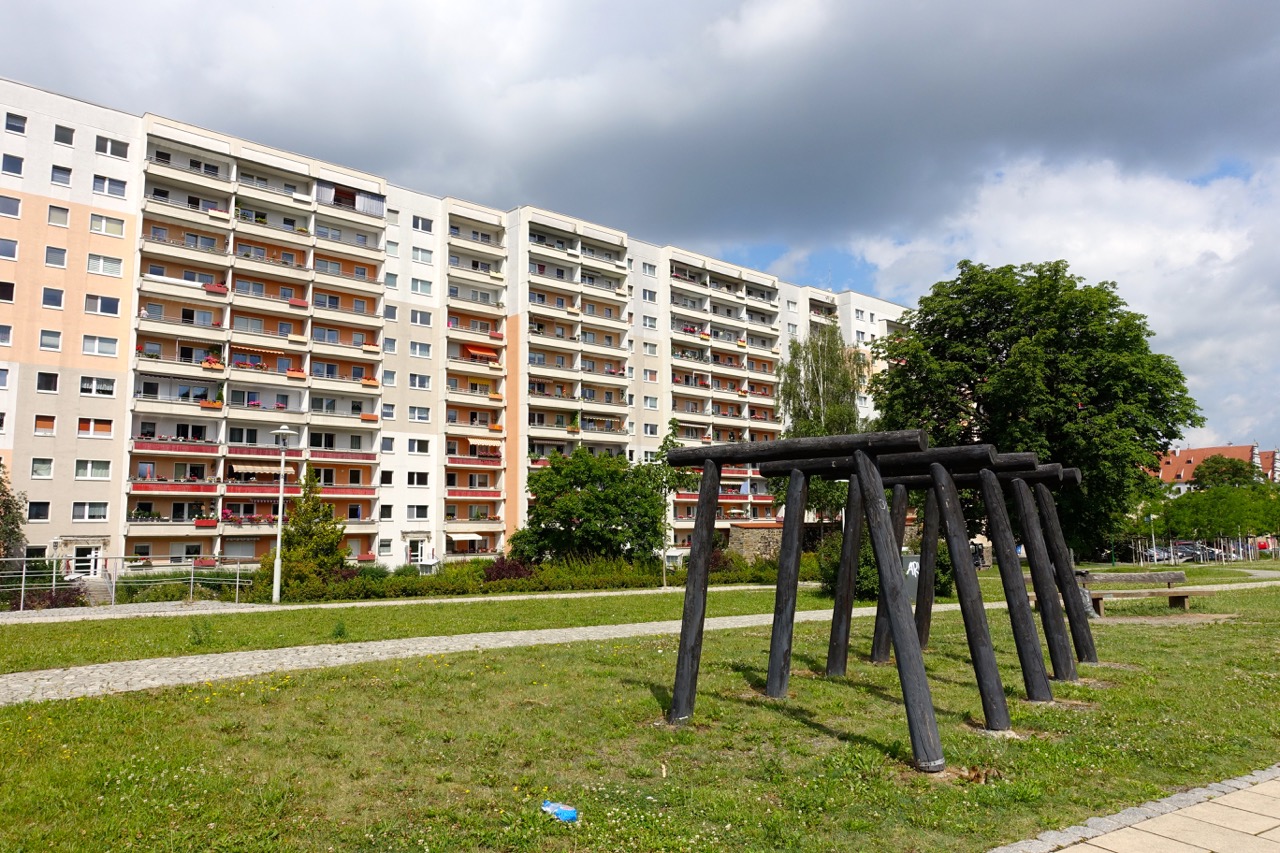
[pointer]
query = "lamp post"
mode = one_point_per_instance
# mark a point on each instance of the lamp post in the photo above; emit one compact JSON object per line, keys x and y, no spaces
{"x":282,"y":437}
{"x":1155,"y":555}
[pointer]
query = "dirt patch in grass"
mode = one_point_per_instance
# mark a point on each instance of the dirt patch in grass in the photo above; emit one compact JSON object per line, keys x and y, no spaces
{"x":1179,"y":619}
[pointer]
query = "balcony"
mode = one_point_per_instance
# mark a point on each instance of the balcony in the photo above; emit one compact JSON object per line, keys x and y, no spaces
{"x":348,"y":212}
{"x":263,"y":229}
{"x":275,"y":194}
{"x":192,"y":176}
{"x":316,"y":454}
{"x":478,"y":493}
{"x":473,"y":461}
{"x":549,"y":369}
{"x":174,"y":211}
{"x":608,"y":375}
{"x":550,"y":282}
{"x":171,"y":404}
{"x":159,"y":285}
{"x":162,"y":486}
{"x":567,"y":343}
{"x":364,"y":319}
{"x":267,"y":412}
{"x":251,"y":263}
{"x":491,"y":247}
{"x":561,"y":402}
{"x":171,"y":326}
{"x":489,"y":523}
{"x":351,"y":248}
{"x":270,"y":451}
{"x":484,"y":306}
{"x":473,"y":276}
{"x":477,"y":428}
{"x":169,"y":445}
{"x":184,"y":252}
{"x":188,"y":368}
{"x":467,"y":397}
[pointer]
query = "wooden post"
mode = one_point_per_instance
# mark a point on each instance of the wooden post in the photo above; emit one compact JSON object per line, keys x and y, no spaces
{"x":922,"y":725}
{"x":880,"y":634}
{"x":846,"y":579}
{"x":784,"y":600}
{"x":689,"y":653}
{"x":928,"y":568}
{"x":994,"y":707}
{"x":1065,"y":571}
{"x":1025,"y":636}
{"x":1055,"y":632}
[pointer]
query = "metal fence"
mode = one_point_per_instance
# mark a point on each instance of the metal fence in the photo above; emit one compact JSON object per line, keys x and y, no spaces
{"x":27,"y":582}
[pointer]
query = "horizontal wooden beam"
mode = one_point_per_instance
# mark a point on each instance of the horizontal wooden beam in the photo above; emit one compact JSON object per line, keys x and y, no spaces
{"x":802,"y":449}
{"x":1050,"y":475}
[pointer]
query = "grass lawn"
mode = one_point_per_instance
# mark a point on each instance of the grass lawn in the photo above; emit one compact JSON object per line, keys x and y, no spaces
{"x":58,"y":644}
{"x":457,"y":752}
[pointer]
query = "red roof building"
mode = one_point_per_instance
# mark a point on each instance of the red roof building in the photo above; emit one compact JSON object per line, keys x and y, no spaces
{"x":1178,"y":467}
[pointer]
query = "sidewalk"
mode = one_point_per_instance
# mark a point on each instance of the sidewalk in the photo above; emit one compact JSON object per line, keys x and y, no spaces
{"x":1240,"y":815}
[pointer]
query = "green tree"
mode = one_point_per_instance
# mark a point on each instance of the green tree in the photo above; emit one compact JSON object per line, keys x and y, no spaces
{"x":312,"y":544}
{"x":1219,"y":470}
{"x":1030,"y":358}
{"x":818,"y":387}
{"x":591,"y":506}
{"x":1223,"y":510}
{"x":13,"y":509}
{"x":664,"y":479}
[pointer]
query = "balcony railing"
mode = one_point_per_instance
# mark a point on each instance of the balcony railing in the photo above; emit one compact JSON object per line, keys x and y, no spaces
{"x":267,"y":187}
{"x":198,"y":170}
{"x":262,"y":259}
{"x":196,"y":207}
{"x":183,"y":244}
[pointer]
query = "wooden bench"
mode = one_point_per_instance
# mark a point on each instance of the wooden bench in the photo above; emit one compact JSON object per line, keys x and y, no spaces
{"x":1178,"y":598}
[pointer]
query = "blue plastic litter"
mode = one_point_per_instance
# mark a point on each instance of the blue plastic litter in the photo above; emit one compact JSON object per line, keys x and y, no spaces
{"x":561,"y":812}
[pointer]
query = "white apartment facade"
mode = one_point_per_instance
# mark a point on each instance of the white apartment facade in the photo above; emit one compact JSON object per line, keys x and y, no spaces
{"x":170,"y":297}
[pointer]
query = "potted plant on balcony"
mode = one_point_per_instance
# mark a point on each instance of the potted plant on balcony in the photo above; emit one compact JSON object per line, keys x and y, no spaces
{"x":573,"y":423}
{"x":203,"y":520}
{"x":295,"y":373}
{"x":206,"y":562}
{"x":219,"y":287}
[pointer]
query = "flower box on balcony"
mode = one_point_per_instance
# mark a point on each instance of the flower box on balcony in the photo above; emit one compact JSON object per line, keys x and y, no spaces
{"x":292,"y":373}
{"x":215,"y":288}
{"x":211,"y":404}
{"x":369,"y":417}
{"x":206,"y":522}
{"x":495,"y":427}
{"x":212,"y":365}
{"x":371,"y":347}
{"x":366,"y":557}
{"x":296,"y":302}
{"x":493,"y":396}
{"x":497,"y":336}
{"x":205,"y":562}
{"x":369,"y":382}
{"x":571,"y":429}
{"x":300,"y":340}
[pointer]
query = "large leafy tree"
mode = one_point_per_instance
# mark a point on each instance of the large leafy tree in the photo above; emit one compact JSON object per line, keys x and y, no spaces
{"x":592,"y":506}
{"x":1222,"y":510}
{"x":818,"y":387}
{"x":13,"y":509}
{"x":1030,"y":358}
{"x":1219,"y":470}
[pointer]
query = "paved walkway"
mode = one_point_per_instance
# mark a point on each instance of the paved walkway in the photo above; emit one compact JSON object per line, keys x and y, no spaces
{"x":1240,"y":815}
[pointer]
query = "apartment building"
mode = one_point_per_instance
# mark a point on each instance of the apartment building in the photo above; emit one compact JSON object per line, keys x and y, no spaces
{"x":183,"y":314}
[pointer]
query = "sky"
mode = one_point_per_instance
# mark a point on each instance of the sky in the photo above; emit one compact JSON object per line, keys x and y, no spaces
{"x":842,"y":143}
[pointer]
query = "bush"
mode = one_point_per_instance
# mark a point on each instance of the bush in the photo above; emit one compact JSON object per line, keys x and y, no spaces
{"x":867,"y":585}
{"x":503,"y":569}
{"x":175,"y":591}
{"x":371,"y":571}
{"x":408,"y":570}
{"x":68,"y":594}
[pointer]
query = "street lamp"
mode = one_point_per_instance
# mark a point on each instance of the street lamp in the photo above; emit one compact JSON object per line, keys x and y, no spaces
{"x":1155,"y":555}
{"x":282,"y":438}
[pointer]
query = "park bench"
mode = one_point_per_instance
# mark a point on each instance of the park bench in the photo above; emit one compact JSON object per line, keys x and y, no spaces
{"x":1178,"y":598}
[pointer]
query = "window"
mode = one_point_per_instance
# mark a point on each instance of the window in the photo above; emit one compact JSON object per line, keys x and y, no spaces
{"x":10,"y":206}
{"x":650,"y":429}
{"x":420,"y":286}
{"x":45,"y":424}
{"x":388,"y":344}
{"x":102,"y":265}
{"x":420,"y":413}
{"x":421,"y":255}
{"x":650,"y":322}
{"x":390,"y":281}
{"x":11,"y":165}
{"x":47,"y":382}
{"x":650,"y":375}
{"x":51,"y":297}
{"x":792,"y":330}
{"x":386,"y":513}
{"x":4,"y":377}
{"x":420,"y":381}
{"x":93,"y":428}
{"x":650,"y":349}
{"x":6,"y":335}
{"x":41,"y":469}
{"x":15,"y":123}
{"x":97,"y":386}
{"x":63,"y":135}
{"x":50,"y":340}
{"x":860,"y":336}
{"x":37,"y":511}
{"x":420,"y":318}
{"x":389,"y":377}
{"x":108,"y":186}
{"x":388,"y":411}
{"x":95,"y":345}
{"x":89,"y":511}
{"x":419,"y":349}
{"x":93,"y":469}
{"x":648,"y":269}
{"x":61,"y":175}
{"x":55,"y":257}
{"x":419,"y":446}
{"x":418,"y":478}
{"x":651,"y":402}
{"x":389,"y":312}
{"x":649,"y":295}
{"x":112,"y":147}
{"x":393,"y":249}
{"x":422,"y":223}
{"x":113,"y":227}
{"x":417,"y":512}
{"x":106,"y":305}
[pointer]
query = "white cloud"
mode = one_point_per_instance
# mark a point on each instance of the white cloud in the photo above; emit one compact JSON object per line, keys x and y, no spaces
{"x":1198,"y":260}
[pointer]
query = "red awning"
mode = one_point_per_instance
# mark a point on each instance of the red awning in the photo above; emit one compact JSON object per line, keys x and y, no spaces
{"x":480,"y":352}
